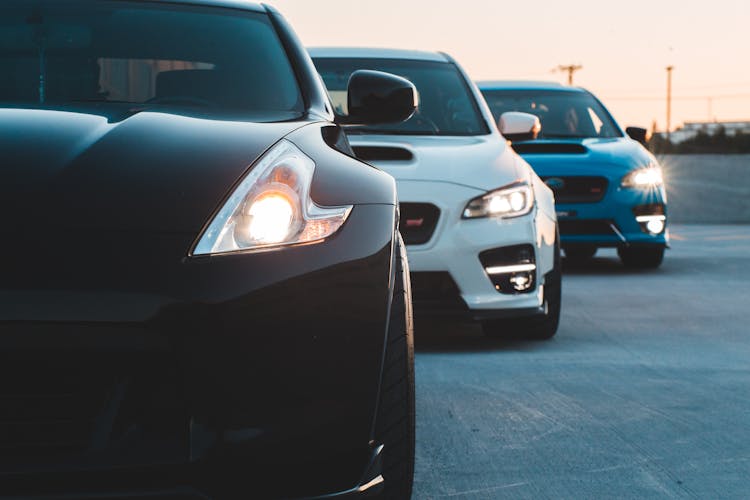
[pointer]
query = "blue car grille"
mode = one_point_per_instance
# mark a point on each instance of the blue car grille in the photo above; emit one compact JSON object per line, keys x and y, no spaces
{"x":577,"y":189}
{"x":577,"y":227}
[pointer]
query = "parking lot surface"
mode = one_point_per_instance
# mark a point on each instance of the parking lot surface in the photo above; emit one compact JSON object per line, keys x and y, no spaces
{"x":643,"y":393}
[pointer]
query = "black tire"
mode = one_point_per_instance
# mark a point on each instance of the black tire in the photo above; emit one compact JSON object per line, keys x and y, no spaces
{"x":395,"y":419}
{"x":542,"y":327}
{"x":641,"y":258}
{"x":580,"y":254}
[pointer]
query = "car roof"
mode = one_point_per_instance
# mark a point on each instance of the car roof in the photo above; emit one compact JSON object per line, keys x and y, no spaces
{"x":526,"y":85}
{"x":376,"y":53}
{"x":235,"y":4}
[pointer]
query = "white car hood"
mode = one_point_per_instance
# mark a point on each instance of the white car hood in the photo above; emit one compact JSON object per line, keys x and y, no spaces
{"x":481,"y":162}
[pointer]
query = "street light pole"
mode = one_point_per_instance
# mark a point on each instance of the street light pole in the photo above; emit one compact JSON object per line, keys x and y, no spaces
{"x":669,"y":100}
{"x":570,"y":69}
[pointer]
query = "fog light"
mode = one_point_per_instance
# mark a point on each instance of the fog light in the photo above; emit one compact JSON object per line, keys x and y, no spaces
{"x":522,"y":281}
{"x":519,"y":277}
{"x":654,"y":224}
{"x":512,"y":269}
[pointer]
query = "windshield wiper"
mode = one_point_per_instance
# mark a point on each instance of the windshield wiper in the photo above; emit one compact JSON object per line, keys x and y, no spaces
{"x":563,"y":136}
{"x":385,"y":131}
{"x":102,"y":100}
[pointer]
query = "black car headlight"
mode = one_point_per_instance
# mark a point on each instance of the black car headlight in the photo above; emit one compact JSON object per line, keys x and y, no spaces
{"x":272,"y":207}
{"x":643,"y":178}
{"x":514,"y":200}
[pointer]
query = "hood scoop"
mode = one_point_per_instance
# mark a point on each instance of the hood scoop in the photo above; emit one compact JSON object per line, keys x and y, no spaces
{"x":382,"y":153}
{"x":540,"y":148}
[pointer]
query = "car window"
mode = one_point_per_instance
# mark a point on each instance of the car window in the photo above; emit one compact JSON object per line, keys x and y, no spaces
{"x":143,"y":53}
{"x":562,"y":113}
{"x":446,"y":106}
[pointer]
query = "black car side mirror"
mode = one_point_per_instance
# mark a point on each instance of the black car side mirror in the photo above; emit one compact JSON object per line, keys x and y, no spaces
{"x":375,"y":97}
{"x":638,"y":134}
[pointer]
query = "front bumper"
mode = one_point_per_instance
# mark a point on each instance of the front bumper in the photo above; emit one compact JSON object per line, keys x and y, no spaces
{"x":135,"y":369}
{"x":119,"y":485}
{"x":455,"y":246}
{"x":612,"y":222}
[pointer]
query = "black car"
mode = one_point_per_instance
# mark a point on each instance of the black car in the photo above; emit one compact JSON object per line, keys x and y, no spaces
{"x":203,"y":294}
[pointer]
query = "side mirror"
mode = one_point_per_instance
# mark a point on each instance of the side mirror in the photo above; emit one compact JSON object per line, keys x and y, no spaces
{"x":375,"y":97}
{"x":638,"y":134}
{"x":517,"y":126}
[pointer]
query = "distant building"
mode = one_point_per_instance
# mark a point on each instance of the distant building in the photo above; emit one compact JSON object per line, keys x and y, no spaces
{"x":691,"y":129}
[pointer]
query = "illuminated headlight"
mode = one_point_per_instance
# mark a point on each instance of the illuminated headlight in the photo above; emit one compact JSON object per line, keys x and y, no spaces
{"x":272,"y":207}
{"x":510,"y":201}
{"x":643,"y":178}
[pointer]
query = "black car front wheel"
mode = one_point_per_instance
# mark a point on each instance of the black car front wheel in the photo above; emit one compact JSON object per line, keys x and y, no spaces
{"x":641,"y":258}
{"x":395,"y":419}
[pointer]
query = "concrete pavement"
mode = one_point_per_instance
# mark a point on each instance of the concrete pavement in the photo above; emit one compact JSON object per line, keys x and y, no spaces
{"x":643,"y":393}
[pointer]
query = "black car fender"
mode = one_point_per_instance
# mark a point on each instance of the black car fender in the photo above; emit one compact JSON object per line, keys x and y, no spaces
{"x":339,"y":178}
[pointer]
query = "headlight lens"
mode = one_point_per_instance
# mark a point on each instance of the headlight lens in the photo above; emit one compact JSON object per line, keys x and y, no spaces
{"x":272,"y":207}
{"x":510,"y":201}
{"x":643,"y":178}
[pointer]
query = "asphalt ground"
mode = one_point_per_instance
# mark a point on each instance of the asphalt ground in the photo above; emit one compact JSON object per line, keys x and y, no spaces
{"x":707,"y":189}
{"x":643,"y":393}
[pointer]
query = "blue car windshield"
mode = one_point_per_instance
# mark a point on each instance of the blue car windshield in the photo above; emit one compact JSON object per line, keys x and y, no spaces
{"x":446,"y":106}
{"x":58,"y":53}
{"x":563,"y":113}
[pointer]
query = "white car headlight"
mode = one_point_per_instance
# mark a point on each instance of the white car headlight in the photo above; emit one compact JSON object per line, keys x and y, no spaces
{"x":643,"y":178}
{"x":509,"y":201}
{"x":272,"y":207}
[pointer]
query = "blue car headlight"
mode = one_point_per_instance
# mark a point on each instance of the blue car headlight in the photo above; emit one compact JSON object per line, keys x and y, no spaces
{"x":643,"y":178}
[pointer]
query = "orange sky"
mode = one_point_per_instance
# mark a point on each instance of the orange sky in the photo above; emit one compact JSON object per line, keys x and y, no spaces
{"x":624,"y":47}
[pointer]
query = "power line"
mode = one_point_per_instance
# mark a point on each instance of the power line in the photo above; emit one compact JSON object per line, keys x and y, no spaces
{"x":716,"y":86}
{"x":677,"y":98}
{"x":685,"y":87}
{"x":669,"y":99}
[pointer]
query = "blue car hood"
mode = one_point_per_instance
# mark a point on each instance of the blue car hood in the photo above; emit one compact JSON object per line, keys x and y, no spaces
{"x":591,"y":156}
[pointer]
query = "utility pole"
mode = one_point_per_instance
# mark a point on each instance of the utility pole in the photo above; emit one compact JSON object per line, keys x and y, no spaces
{"x":669,"y":100}
{"x":570,"y":69}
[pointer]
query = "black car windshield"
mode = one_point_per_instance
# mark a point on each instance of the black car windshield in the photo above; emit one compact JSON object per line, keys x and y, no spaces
{"x":58,"y":53}
{"x":446,"y":107}
{"x":563,"y":113}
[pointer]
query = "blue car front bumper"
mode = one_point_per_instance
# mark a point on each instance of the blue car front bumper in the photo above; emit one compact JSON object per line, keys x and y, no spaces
{"x":614,"y":220}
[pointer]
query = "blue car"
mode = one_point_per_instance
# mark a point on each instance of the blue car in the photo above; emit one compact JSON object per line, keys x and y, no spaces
{"x":609,"y":190}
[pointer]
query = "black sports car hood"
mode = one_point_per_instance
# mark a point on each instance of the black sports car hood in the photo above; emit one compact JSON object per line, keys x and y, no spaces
{"x":148,"y":171}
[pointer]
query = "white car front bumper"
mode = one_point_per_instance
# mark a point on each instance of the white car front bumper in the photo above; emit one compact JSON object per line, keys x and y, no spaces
{"x":456,"y":243}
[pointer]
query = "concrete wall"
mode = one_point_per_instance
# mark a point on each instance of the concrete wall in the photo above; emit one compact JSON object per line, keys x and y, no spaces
{"x":707,"y":188}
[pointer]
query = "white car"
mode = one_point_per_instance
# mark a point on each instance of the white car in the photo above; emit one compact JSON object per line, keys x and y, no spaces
{"x":479,"y":225}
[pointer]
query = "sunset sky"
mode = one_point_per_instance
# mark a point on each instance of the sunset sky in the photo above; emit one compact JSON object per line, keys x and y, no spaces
{"x":624,"y":47}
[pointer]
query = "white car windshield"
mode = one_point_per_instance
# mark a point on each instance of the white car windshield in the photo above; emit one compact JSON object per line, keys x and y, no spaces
{"x":446,"y":106}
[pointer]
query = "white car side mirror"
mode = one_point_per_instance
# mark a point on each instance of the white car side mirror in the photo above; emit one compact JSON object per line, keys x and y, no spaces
{"x":517,"y":126}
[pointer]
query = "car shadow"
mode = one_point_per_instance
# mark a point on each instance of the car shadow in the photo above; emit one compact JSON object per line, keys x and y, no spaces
{"x":435,"y":334}
{"x":605,"y":266}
